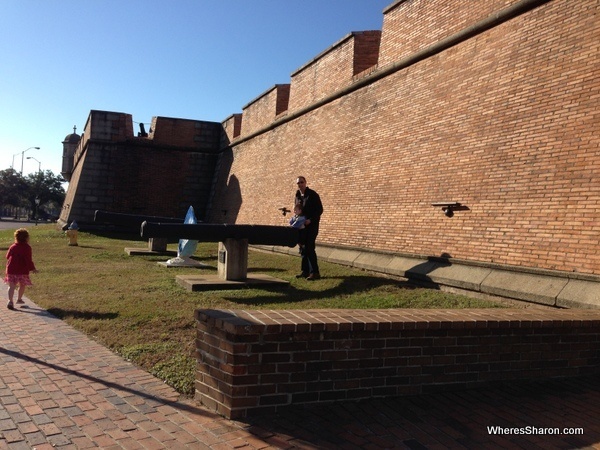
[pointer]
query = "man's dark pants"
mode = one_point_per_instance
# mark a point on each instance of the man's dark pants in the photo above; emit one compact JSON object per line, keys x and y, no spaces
{"x":309,"y":256}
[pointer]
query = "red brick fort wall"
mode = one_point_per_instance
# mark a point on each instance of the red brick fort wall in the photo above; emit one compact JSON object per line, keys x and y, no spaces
{"x":504,"y":122}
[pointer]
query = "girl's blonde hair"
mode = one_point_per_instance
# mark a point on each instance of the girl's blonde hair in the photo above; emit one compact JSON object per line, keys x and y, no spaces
{"x":21,"y":235}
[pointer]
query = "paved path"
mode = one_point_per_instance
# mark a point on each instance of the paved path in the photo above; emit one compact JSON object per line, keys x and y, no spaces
{"x":59,"y":389}
{"x":10,"y":224}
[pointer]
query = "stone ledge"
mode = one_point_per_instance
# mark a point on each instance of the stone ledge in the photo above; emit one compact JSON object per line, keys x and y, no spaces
{"x":546,"y":287}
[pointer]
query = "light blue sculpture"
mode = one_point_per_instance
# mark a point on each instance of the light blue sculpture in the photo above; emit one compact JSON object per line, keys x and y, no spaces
{"x":186,"y":247}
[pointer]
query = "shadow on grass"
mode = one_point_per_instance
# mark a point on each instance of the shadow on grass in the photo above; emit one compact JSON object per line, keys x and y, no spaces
{"x":266,"y":269}
{"x":117,"y":235}
{"x":163,"y":258}
{"x":349,"y":285}
{"x":85,"y":315}
{"x":88,"y":246}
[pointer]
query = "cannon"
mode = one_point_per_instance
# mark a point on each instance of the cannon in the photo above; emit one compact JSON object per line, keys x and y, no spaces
{"x":233,"y":241}
{"x":131,"y":223}
{"x":212,"y":232}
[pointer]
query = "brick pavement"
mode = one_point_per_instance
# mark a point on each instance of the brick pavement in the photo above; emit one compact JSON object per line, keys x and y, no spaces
{"x":59,"y":389}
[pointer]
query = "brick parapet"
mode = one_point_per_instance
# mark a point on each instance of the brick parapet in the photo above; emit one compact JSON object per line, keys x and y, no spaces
{"x":161,"y":174}
{"x":232,"y":127}
{"x":334,"y":68}
{"x":254,"y":362}
{"x":176,"y":132}
{"x":410,"y":26}
{"x":264,"y":109}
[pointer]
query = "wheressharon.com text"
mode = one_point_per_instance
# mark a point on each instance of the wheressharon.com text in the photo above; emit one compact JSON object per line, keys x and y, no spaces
{"x":533,"y":430}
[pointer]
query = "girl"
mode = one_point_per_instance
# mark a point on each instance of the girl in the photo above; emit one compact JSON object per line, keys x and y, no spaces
{"x":19,"y":264}
{"x":298,"y":222}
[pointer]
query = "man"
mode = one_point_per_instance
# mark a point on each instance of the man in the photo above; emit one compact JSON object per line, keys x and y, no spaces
{"x":313,"y":208}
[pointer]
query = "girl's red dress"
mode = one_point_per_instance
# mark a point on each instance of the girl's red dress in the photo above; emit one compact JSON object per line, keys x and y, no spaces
{"x":19,"y":264}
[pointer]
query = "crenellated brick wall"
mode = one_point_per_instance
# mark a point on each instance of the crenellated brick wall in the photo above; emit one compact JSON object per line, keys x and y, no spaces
{"x":263,"y":110}
{"x":185,"y":133}
{"x":504,"y":121}
{"x":162,"y":174}
{"x":232,"y":127}
{"x":256,"y":362}
{"x":333,"y":69}
{"x":411,"y":26}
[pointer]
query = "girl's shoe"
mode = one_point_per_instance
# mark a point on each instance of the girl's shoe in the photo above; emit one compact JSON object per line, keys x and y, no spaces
{"x":20,"y":302}
{"x":10,"y":305}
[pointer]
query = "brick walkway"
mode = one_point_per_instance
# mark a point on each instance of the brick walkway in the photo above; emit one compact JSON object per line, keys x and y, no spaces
{"x":59,"y":389}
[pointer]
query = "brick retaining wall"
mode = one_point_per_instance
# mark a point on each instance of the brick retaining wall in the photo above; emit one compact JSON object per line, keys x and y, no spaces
{"x":256,"y":362}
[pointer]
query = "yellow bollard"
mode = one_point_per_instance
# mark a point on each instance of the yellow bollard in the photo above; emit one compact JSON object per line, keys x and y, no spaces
{"x":72,"y":233}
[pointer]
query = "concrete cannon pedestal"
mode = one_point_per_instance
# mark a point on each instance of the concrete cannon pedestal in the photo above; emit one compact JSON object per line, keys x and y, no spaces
{"x":232,"y":270}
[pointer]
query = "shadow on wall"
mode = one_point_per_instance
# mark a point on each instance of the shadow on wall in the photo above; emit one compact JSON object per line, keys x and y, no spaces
{"x":233,"y":201}
{"x":419,"y":273}
{"x":227,"y":197}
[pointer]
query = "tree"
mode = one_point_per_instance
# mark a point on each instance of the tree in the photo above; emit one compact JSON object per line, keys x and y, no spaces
{"x":19,"y":192}
{"x":47,"y":187}
{"x":13,"y":188}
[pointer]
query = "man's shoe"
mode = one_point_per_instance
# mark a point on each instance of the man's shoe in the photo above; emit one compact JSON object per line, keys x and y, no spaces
{"x":313,"y":276}
{"x":301,"y":275}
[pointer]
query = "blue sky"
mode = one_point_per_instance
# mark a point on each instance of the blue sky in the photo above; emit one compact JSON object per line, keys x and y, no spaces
{"x":193,"y":59}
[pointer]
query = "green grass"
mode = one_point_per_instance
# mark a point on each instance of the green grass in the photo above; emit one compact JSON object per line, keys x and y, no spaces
{"x":133,"y":306}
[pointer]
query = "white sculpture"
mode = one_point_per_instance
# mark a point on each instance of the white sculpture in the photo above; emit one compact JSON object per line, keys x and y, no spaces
{"x":186,"y":247}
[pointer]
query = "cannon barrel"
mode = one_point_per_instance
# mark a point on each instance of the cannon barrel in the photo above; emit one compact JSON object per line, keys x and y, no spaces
{"x":130,"y":221}
{"x":210,"y":232}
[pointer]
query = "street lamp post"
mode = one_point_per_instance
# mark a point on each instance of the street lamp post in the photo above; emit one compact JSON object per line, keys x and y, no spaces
{"x":38,"y":161}
{"x":23,"y":155}
{"x":12,"y":166}
{"x":37,"y":205}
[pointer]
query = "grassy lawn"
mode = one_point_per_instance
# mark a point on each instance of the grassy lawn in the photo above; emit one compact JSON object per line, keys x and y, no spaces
{"x":133,"y":306}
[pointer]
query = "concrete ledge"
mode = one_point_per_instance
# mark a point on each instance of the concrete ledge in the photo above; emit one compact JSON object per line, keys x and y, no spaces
{"x":525,"y":286}
{"x":579,"y":294}
{"x":546,"y":287}
{"x":456,"y":275}
{"x":343,"y":256}
{"x":371,"y":261}
{"x":399,"y":266}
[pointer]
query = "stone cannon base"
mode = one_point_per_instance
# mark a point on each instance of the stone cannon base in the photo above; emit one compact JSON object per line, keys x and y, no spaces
{"x":233,"y":250}
{"x":210,"y":282}
{"x":156,"y":246}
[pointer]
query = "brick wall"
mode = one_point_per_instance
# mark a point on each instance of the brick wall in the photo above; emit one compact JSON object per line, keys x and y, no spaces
{"x":162,"y":174}
{"x":198,"y":134}
{"x":334,"y":68}
{"x":366,"y":50}
{"x":232,"y":127}
{"x":410,"y":26}
{"x":265,"y":109}
{"x":504,"y":122}
{"x":256,"y":362}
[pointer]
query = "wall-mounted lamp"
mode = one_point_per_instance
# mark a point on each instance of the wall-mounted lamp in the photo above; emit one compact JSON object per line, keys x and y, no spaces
{"x":447,"y":207}
{"x":284,"y":210}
